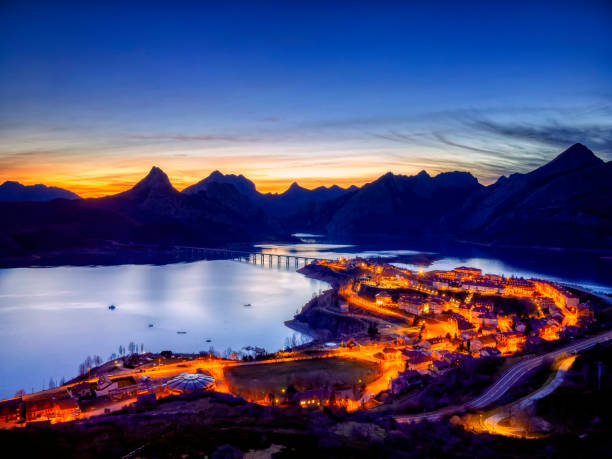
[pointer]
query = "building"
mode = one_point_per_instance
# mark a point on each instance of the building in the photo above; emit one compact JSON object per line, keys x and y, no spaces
{"x":79,"y":390}
{"x":488,"y":305}
{"x":487,"y":319}
{"x":313,"y":398}
{"x":390,"y":353}
{"x":481,"y":286}
{"x":440,"y":283}
{"x":11,"y":410}
{"x":51,"y":410}
{"x":436,"y":305}
{"x":190,"y":382}
{"x":464,"y":271}
{"x":440,"y":343}
{"x":405,"y":380}
{"x":561,"y":296}
{"x":517,"y":286}
{"x":490,"y":352}
{"x":419,"y":363}
{"x":476,"y":312}
{"x":383,"y":298}
{"x":439,"y":367}
{"x":104,"y":386}
{"x":476,"y":344}
{"x":413,"y":304}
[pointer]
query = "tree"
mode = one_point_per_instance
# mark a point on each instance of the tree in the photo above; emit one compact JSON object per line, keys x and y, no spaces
{"x":291,"y":390}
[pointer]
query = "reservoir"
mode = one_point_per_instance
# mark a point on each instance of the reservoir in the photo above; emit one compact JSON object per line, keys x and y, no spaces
{"x":51,"y":319}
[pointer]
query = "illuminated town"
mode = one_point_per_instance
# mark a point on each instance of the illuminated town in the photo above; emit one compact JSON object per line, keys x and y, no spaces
{"x":416,"y":325}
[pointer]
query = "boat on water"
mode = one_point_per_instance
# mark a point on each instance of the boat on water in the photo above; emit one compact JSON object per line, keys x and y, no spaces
{"x":112,"y":307}
{"x":247,"y":305}
{"x":208,"y":341}
{"x":150,"y":325}
{"x":180,"y":332}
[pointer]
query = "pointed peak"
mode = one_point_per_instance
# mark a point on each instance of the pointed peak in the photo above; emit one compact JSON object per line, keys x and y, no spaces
{"x":216,"y":174}
{"x":423,"y":174}
{"x":577,"y":150}
{"x":156,"y":170}
{"x":575,"y":157}
{"x":156,"y":179}
{"x":157,"y":174}
{"x":295,"y":186}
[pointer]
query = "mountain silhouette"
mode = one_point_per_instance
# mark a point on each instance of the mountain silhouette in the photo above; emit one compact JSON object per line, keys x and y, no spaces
{"x":564,"y":203}
{"x":15,"y":192}
{"x":241,"y":183}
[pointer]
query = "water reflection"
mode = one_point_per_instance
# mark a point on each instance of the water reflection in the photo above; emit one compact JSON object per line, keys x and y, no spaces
{"x":52,"y":318}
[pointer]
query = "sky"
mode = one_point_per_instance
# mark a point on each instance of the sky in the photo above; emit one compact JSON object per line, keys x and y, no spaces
{"x":93,"y":94}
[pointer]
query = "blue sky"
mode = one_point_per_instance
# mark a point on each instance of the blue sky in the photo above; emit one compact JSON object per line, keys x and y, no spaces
{"x":92,"y":95}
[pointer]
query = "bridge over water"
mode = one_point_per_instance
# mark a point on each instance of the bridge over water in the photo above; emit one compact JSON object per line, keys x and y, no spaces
{"x":254,"y":257}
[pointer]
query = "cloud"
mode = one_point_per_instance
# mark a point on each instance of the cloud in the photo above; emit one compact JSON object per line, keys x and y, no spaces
{"x":596,"y":137}
{"x":204,"y":138}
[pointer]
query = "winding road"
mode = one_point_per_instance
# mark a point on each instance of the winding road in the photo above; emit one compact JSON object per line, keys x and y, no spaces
{"x":505,"y":382}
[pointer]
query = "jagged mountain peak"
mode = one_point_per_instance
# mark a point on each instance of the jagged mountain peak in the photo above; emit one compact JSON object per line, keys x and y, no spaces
{"x":155,"y":178}
{"x":295,"y":187}
{"x":456,"y":179}
{"x":575,"y":157}
{"x":240,"y":182}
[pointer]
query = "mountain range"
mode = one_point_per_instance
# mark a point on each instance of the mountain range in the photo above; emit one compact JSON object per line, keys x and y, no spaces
{"x":564,"y":203}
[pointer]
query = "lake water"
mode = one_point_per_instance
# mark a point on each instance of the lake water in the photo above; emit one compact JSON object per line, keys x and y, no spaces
{"x":52,"y":318}
{"x":592,"y":270}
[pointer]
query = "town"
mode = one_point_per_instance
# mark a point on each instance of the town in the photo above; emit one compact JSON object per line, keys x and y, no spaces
{"x":414,"y":324}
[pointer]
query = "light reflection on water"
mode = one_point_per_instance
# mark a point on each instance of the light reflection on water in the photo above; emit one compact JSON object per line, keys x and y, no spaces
{"x":52,"y":318}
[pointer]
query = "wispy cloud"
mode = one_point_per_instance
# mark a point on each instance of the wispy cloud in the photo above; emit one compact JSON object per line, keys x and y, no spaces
{"x":597,"y":137}
{"x":200,"y":138}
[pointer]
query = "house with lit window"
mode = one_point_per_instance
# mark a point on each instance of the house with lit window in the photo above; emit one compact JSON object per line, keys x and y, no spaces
{"x":383,"y":298}
{"x":414,"y":304}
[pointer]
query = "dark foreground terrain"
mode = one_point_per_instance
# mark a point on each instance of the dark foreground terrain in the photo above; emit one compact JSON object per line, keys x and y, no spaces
{"x":216,"y":425}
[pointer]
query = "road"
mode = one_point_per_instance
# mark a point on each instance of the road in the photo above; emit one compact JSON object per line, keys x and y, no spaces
{"x":506,"y":381}
{"x":492,"y":422}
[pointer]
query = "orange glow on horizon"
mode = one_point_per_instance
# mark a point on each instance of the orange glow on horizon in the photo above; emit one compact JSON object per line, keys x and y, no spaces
{"x":105,"y":183}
